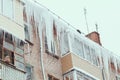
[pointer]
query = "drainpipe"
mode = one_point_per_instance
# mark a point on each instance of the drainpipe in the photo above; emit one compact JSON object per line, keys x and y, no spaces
{"x":41,"y":57}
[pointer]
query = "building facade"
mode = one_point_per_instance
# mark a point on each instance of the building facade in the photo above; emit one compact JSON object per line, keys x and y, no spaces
{"x":35,"y":44}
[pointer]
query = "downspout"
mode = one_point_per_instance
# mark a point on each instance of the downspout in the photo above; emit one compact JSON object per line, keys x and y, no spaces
{"x":41,"y":56}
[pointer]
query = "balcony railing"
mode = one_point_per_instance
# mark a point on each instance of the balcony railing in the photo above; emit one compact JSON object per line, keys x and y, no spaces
{"x":10,"y":72}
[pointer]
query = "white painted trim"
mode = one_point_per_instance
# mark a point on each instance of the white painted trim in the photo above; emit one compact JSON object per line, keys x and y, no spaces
{"x":78,"y":69}
{"x":75,"y":75}
{"x":84,"y":72}
{"x":6,"y":30}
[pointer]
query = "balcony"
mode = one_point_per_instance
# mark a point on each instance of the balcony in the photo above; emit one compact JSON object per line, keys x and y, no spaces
{"x":72,"y":61}
{"x":10,"y":72}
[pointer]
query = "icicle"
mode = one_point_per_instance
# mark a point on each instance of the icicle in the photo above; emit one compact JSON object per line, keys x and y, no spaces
{"x":66,"y":37}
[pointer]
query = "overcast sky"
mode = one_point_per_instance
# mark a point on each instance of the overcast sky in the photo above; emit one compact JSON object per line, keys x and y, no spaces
{"x":106,"y":13}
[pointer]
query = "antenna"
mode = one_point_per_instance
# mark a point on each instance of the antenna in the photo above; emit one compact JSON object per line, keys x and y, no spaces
{"x":85,"y":12}
{"x":96,"y":25}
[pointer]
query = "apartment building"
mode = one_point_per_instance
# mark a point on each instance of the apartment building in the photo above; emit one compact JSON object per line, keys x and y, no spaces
{"x":36,"y":44}
{"x":11,"y":40}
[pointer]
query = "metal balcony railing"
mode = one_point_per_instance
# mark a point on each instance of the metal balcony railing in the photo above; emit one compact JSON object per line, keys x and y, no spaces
{"x":10,"y":72}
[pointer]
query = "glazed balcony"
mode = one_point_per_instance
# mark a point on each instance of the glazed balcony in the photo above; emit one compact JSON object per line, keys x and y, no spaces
{"x":72,"y":61}
{"x":10,"y":72}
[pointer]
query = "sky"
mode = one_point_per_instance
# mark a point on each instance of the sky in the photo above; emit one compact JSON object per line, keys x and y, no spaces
{"x":106,"y":13}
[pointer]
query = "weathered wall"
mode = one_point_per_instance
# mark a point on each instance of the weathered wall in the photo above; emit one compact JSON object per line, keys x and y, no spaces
{"x":52,"y":65}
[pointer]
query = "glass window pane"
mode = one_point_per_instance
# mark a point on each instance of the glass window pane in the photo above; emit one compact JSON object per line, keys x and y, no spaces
{"x":28,"y":72}
{"x":64,"y":43}
{"x":24,"y":15}
{"x":77,"y":46}
{"x":19,"y":43}
{"x":0,"y":6}
{"x":0,"y":52}
{"x":8,"y":11}
{"x":19,"y":51}
{"x":8,"y":37}
{"x":87,"y":52}
{"x":19,"y":58}
{"x":26,"y":29}
{"x":1,"y":37}
{"x":8,"y":56}
{"x":20,"y":65}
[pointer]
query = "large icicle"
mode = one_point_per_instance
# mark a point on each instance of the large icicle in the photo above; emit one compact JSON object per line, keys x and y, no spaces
{"x":66,"y":37}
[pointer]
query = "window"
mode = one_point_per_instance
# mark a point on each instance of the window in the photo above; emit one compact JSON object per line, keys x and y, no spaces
{"x":117,"y":77}
{"x":112,"y":66}
{"x":82,"y":76}
{"x":52,"y":47}
{"x":55,"y":42}
{"x":46,"y":45}
{"x":69,"y":76}
{"x":19,"y":58}
{"x":54,"y":29}
{"x":118,"y":68}
{"x":0,"y":52}
{"x":77,"y":75}
{"x":27,"y":35}
{"x":50,"y":77}
{"x":8,"y":56}
{"x":20,"y":65}
{"x":0,"y":6}
{"x":24,"y":15}
{"x":64,"y":46}
{"x":8,"y":37}
{"x":19,"y":43}
{"x":8,"y":8}
{"x":12,"y":51}
{"x":94,"y":57}
{"x":19,"y":46}
{"x":1,"y":37}
{"x":87,"y":52}
{"x":29,"y":74}
{"x":77,"y":46}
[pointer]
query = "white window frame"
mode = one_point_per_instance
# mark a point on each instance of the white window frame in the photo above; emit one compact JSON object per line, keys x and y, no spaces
{"x":117,"y":77}
{"x":31,"y":67}
{"x":11,"y":16}
{"x":1,"y":6}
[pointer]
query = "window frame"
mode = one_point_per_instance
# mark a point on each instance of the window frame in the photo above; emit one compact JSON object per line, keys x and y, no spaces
{"x":117,"y":77}
{"x":26,"y":30}
{"x":87,"y":52}
{"x":8,"y":38}
{"x":11,"y":54}
{"x":1,"y":1}
{"x":11,"y":16}
{"x":1,"y":36}
{"x":52,"y":77}
{"x":31,"y":71}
